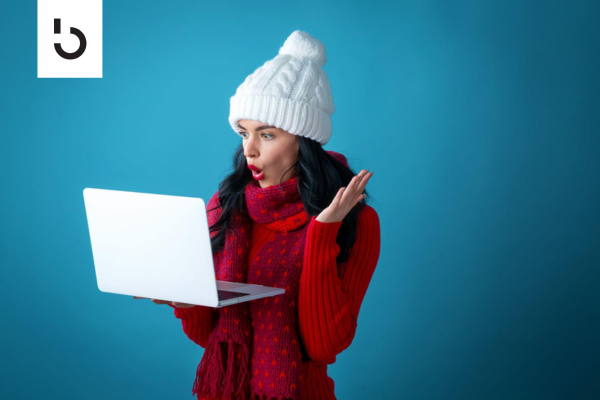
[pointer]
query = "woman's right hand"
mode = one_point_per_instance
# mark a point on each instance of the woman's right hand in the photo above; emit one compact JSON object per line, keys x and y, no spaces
{"x":174,"y":303}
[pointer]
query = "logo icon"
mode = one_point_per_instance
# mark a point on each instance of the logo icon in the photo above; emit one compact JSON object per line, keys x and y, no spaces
{"x":74,"y":31}
{"x":69,"y":39}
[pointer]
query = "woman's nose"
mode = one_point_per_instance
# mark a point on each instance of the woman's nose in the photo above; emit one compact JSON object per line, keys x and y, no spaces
{"x":250,"y":149}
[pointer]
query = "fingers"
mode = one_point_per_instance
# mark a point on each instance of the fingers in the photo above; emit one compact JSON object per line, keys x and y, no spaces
{"x":357,"y":179}
{"x":365,"y":178}
{"x":155,"y":301}
{"x":347,"y":197}
{"x":356,"y":186}
{"x":338,"y":196}
{"x":364,"y":175}
{"x":351,"y":186}
{"x":183,"y":305}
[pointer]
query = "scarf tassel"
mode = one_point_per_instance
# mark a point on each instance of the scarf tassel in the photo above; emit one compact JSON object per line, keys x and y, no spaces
{"x":216,"y":381}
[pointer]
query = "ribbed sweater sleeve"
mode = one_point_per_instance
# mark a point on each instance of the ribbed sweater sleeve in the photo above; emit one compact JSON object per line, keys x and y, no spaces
{"x":198,"y":321}
{"x":330,"y":294}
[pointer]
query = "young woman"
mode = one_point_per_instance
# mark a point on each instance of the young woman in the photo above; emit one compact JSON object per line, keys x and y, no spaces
{"x":290,"y":215}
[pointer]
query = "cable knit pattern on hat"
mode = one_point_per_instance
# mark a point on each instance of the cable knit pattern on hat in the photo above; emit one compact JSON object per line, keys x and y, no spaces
{"x":290,"y":92}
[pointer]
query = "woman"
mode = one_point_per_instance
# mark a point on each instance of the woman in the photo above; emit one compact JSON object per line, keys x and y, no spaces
{"x":290,"y":215}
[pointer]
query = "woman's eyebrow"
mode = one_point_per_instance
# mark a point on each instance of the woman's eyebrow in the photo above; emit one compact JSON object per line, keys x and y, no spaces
{"x":259,"y":128}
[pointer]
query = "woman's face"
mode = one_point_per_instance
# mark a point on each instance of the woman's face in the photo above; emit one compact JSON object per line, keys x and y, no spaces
{"x":270,"y":149}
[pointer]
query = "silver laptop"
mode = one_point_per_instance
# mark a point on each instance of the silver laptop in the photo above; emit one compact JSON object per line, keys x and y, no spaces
{"x":158,"y":246}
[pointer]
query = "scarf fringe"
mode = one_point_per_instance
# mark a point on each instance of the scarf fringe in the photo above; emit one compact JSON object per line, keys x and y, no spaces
{"x":217,"y":381}
{"x":262,"y":396}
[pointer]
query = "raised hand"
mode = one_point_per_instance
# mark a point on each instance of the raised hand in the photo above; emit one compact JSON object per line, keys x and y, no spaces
{"x":346,"y":198}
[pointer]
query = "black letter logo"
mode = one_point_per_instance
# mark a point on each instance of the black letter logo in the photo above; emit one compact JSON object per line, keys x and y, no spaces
{"x":76,"y":32}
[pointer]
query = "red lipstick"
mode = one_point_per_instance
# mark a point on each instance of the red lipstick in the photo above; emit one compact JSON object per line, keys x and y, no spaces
{"x":257,"y":173}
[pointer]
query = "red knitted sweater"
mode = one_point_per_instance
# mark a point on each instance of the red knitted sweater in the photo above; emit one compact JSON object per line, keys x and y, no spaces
{"x":329,"y":300}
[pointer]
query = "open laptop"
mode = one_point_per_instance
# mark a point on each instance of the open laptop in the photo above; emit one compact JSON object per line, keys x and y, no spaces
{"x":158,"y":246}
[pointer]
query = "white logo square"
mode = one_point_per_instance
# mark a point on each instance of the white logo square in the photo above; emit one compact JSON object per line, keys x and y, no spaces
{"x":69,"y":39}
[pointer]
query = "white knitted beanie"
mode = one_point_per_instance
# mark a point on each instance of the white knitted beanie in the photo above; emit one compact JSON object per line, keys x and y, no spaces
{"x":290,"y":92}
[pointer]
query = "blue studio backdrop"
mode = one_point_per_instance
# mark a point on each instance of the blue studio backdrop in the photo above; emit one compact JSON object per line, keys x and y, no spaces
{"x":480,"y":120}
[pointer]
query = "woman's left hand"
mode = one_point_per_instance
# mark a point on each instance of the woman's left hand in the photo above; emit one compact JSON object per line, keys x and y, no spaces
{"x":346,"y":198}
{"x":174,"y":303}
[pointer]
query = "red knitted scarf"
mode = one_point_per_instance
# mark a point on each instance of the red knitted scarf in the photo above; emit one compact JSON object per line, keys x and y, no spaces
{"x":254,"y":350}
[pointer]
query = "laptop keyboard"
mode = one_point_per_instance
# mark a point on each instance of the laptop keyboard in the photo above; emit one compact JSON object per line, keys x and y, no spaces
{"x":226,"y":294}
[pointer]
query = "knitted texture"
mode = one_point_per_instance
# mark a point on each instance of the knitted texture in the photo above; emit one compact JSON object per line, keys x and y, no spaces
{"x":290,"y":92}
{"x":224,"y":371}
{"x":329,"y":299}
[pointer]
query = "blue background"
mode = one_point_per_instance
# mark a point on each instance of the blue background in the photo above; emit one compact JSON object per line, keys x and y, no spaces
{"x":480,"y":120}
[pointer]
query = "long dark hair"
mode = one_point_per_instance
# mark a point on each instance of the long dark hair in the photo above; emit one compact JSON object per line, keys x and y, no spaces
{"x":320,"y":176}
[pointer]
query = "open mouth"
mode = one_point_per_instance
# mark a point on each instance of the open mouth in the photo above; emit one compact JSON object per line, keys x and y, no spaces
{"x":257,"y":174}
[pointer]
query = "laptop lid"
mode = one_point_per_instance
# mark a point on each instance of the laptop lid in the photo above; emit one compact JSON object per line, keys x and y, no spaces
{"x":151,"y":245}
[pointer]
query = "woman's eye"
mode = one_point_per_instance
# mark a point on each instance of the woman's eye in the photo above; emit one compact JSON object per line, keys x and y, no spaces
{"x":243,"y":134}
